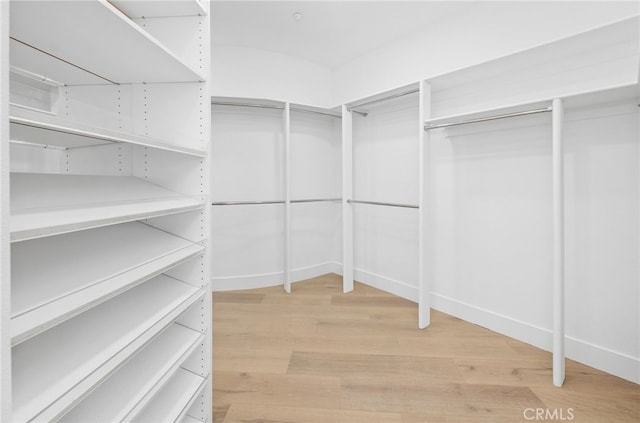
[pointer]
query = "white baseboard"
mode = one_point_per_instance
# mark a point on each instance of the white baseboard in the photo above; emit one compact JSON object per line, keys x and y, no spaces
{"x":598,"y":357}
{"x":392,"y":286}
{"x":264,"y":280}
{"x":304,"y":273}
{"x":260,"y":280}
{"x":613,"y":362}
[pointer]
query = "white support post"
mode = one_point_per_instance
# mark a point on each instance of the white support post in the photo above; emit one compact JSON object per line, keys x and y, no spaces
{"x":424,"y":156}
{"x":558,"y":243}
{"x":287,"y":197}
{"x":5,"y":246}
{"x":347,"y":193}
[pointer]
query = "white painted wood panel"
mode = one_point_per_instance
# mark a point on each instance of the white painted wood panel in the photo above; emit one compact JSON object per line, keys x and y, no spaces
{"x":55,"y":278}
{"x":128,"y":54}
{"x":162,"y":8}
{"x":172,"y":403}
{"x":128,"y":391}
{"x":48,"y":204}
{"x":54,"y":370}
{"x":46,"y":129}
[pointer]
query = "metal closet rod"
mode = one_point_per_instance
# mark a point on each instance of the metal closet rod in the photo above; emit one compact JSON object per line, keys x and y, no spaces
{"x":262,"y":106}
{"x":317,"y":200}
{"x":243,"y":203}
{"x":273,"y":106}
{"x":428,"y":127}
{"x":299,"y":109}
{"x":402,"y":94}
{"x":379,"y":203}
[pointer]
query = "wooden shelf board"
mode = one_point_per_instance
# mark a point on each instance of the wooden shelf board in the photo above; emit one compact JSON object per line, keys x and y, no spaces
{"x":56,"y":369}
{"x":172,"y":403}
{"x":163,"y":8}
{"x":127,"y":55}
{"x":49,"y":204}
{"x":88,"y":267}
{"x":26,"y":125}
{"x":135,"y":383}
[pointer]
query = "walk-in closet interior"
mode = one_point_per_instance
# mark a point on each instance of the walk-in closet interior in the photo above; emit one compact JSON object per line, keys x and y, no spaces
{"x":484,"y":163}
{"x":481,"y":159}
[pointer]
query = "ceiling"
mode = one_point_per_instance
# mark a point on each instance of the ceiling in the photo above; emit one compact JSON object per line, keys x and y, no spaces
{"x":329,"y":33}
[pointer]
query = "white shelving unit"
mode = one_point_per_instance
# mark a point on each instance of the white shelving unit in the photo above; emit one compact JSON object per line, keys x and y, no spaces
{"x":127,"y":392}
{"x":137,"y":252}
{"x":109,"y":221}
{"x":44,"y":204}
{"x":128,"y":55}
{"x":27,"y":125}
{"x":71,"y":358}
{"x":172,"y":402}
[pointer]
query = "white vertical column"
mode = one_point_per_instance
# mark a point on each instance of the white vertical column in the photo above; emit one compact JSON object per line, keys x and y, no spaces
{"x":5,"y":245}
{"x":424,"y":252}
{"x":347,"y":194}
{"x":287,"y":197}
{"x":558,"y":242}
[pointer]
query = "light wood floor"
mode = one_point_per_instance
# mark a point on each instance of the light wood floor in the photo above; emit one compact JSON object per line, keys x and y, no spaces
{"x":319,"y":355}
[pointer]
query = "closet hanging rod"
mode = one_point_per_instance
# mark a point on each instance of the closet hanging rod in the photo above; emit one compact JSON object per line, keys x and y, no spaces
{"x":378,"y":203}
{"x":263,"y":106}
{"x":243,"y":203}
{"x":317,"y":200}
{"x":402,"y":94}
{"x":298,"y":109}
{"x":273,"y":106}
{"x":428,"y":127}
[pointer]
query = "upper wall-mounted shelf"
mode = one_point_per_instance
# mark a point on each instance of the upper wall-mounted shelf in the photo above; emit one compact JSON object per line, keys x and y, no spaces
{"x":127,"y":55}
{"x":27,"y":124}
{"x":576,"y":99}
{"x":49,"y":204}
{"x":593,"y":61}
{"x":159,"y":8}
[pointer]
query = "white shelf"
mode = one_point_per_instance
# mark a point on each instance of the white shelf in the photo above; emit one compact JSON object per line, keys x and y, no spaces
{"x":573,"y":99}
{"x":126,"y":392}
{"x":189,"y":419}
{"x":97,"y":37}
{"x":172,"y":403}
{"x":56,"y":369}
{"x":49,"y":204}
{"x":28,"y":126}
{"x":88,"y":268}
{"x":159,"y":8}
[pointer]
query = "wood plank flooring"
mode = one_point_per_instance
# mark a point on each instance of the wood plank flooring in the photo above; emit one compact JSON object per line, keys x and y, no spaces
{"x":319,"y":355}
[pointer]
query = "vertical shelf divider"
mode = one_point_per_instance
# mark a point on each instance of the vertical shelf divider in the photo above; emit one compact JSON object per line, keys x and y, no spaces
{"x":5,"y":272}
{"x":287,"y":196}
{"x":347,"y":194}
{"x":558,"y":242}
{"x":424,"y":185}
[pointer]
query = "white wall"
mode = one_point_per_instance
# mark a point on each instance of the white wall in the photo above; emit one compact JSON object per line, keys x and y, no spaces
{"x":316,"y":228}
{"x":251,"y":73}
{"x":486,"y":31}
{"x":247,"y":165}
{"x":385,"y":169}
